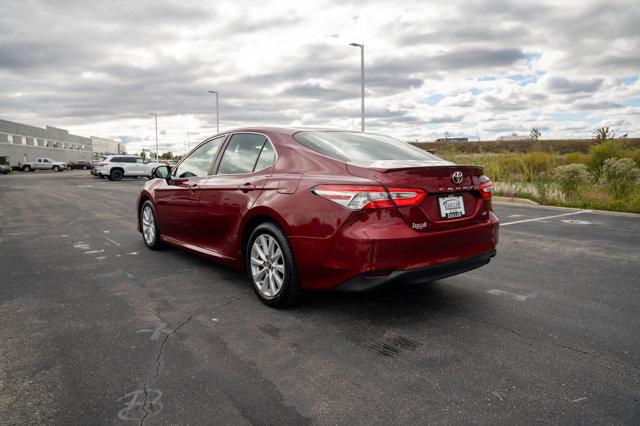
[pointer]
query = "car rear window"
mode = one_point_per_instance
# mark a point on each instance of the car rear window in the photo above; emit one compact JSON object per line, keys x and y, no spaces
{"x":352,"y":147}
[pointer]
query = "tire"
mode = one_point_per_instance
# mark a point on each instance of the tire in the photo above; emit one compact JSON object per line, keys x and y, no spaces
{"x":149,"y":226}
{"x":26,"y":168}
{"x":279,"y":269}
{"x":56,"y":168}
{"x":116,"y":175}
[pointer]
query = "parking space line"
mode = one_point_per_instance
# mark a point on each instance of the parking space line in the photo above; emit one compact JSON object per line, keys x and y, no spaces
{"x":545,"y":217}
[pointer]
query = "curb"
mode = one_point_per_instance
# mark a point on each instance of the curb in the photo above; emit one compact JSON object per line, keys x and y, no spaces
{"x":514,"y":200}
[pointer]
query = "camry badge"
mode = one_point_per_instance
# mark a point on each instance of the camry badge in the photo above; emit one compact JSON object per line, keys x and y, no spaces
{"x":456,"y":177}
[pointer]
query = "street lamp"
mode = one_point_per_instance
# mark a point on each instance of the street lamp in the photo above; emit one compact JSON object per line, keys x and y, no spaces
{"x":156,"y":117}
{"x":217,"y":115}
{"x":361,"y":46}
{"x":188,"y":141}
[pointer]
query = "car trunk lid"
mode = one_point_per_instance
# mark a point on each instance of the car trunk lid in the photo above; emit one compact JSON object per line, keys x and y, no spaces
{"x":444,"y":194}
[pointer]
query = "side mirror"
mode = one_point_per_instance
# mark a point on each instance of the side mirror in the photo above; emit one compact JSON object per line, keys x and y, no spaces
{"x":161,"y":172}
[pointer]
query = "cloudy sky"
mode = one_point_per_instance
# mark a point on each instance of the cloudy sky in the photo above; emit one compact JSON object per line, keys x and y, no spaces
{"x":470,"y":68}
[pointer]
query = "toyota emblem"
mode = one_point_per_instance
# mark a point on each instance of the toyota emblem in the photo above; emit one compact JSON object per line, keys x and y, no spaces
{"x":456,"y":177}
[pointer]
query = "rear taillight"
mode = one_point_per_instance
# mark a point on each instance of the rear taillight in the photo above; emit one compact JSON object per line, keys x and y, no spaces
{"x":369,"y":197}
{"x":485,"y":187}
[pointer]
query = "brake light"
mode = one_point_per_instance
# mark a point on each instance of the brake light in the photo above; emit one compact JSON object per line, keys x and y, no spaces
{"x":369,"y":197}
{"x":486,"y":187}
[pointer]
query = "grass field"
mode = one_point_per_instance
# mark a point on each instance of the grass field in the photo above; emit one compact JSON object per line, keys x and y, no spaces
{"x":576,"y":173}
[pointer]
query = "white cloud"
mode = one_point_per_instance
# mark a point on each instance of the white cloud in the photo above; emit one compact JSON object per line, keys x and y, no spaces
{"x":489,"y":67}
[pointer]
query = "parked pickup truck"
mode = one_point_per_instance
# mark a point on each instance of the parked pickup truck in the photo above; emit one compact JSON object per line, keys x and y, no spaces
{"x":43,"y":164}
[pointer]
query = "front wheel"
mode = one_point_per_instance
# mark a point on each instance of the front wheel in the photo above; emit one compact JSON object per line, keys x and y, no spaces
{"x":56,"y":168}
{"x":116,"y":175}
{"x":149,"y":226}
{"x":26,"y":169}
{"x":271,"y":267}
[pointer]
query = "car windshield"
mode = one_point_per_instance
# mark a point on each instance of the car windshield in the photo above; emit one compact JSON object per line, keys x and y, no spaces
{"x":354,"y":147}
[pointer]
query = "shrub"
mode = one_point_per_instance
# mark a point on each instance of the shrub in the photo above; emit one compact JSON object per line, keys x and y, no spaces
{"x":535,"y":163}
{"x":543,"y":184}
{"x":571,"y":178}
{"x":575,"y":158}
{"x":620,"y":176}
{"x":634,"y":155}
{"x":600,"y":153}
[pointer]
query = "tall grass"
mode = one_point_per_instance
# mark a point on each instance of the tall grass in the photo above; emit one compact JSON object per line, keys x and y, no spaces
{"x":577,"y":179}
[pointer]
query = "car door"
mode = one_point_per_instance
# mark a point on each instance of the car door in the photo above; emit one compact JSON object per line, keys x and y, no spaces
{"x":140,"y":169}
{"x":226,"y":196}
{"x":177,"y":200}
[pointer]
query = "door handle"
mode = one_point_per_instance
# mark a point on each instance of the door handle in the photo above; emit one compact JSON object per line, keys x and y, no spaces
{"x":247,"y":187}
{"x":194,"y":187}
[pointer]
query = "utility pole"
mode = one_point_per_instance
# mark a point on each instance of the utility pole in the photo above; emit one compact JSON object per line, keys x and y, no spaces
{"x":217,"y":111}
{"x":361,"y":46}
{"x":156,"y":117}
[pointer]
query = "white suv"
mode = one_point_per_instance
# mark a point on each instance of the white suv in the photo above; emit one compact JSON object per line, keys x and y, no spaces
{"x":115,"y":167}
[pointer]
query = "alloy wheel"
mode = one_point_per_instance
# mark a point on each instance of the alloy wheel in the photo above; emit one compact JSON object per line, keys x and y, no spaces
{"x":267,"y":265}
{"x":148,"y":226}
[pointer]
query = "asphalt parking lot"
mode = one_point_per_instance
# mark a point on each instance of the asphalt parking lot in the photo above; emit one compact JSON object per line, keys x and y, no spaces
{"x":93,"y":324}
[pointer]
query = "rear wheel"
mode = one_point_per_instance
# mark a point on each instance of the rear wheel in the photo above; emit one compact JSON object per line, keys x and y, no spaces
{"x":116,"y":175}
{"x":271,"y":268}
{"x":149,"y":226}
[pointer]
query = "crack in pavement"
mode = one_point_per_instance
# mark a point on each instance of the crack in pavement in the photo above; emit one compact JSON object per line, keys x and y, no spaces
{"x":156,"y":373}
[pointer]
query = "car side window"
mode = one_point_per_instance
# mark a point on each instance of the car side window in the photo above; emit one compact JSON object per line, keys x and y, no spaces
{"x":241,"y":154}
{"x":267,"y":157}
{"x":139,"y":161}
{"x":199,"y":161}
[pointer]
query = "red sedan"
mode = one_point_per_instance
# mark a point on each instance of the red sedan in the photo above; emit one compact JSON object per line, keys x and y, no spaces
{"x":321,"y":210}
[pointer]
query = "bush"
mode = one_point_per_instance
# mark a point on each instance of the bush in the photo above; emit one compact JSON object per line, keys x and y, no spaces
{"x":575,"y":158}
{"x":534,"y":163}
{"x":634,"y":155}
{"x":620,"y":175}
{"x":600,"y":153}
{"x":543,"y":184}
{"x":571,"y":178}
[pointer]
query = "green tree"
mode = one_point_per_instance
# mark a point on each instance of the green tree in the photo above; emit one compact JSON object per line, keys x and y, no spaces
{"x":535,"y":134}
{"x":603,"y":133}
{"x":166,"y":155}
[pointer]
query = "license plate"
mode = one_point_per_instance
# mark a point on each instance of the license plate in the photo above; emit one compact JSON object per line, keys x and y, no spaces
{"x":451,"y":206}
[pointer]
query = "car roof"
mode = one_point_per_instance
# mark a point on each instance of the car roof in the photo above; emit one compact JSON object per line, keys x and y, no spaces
{"x":284,"y":130}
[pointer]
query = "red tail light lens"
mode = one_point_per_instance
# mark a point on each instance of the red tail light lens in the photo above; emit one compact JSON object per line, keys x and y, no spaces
{"x":369,"y":197}
{"x":486,"y":187}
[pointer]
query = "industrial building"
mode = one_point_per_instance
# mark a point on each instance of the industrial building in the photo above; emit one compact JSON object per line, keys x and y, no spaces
{"x":21,"y":142}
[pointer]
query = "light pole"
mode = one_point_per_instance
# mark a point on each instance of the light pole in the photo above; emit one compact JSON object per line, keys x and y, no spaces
{"x":188,"y":141}
{"x":361,"y":46}
{"x":156,"y":117}
{"x":217,"y":114}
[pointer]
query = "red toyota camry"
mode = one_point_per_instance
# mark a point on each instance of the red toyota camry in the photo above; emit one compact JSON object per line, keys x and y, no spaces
{"x":306,"y":209}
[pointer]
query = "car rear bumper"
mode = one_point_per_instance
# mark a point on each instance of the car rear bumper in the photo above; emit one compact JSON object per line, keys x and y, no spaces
{"x":384,"y":246}
{"x":366,"y":282}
